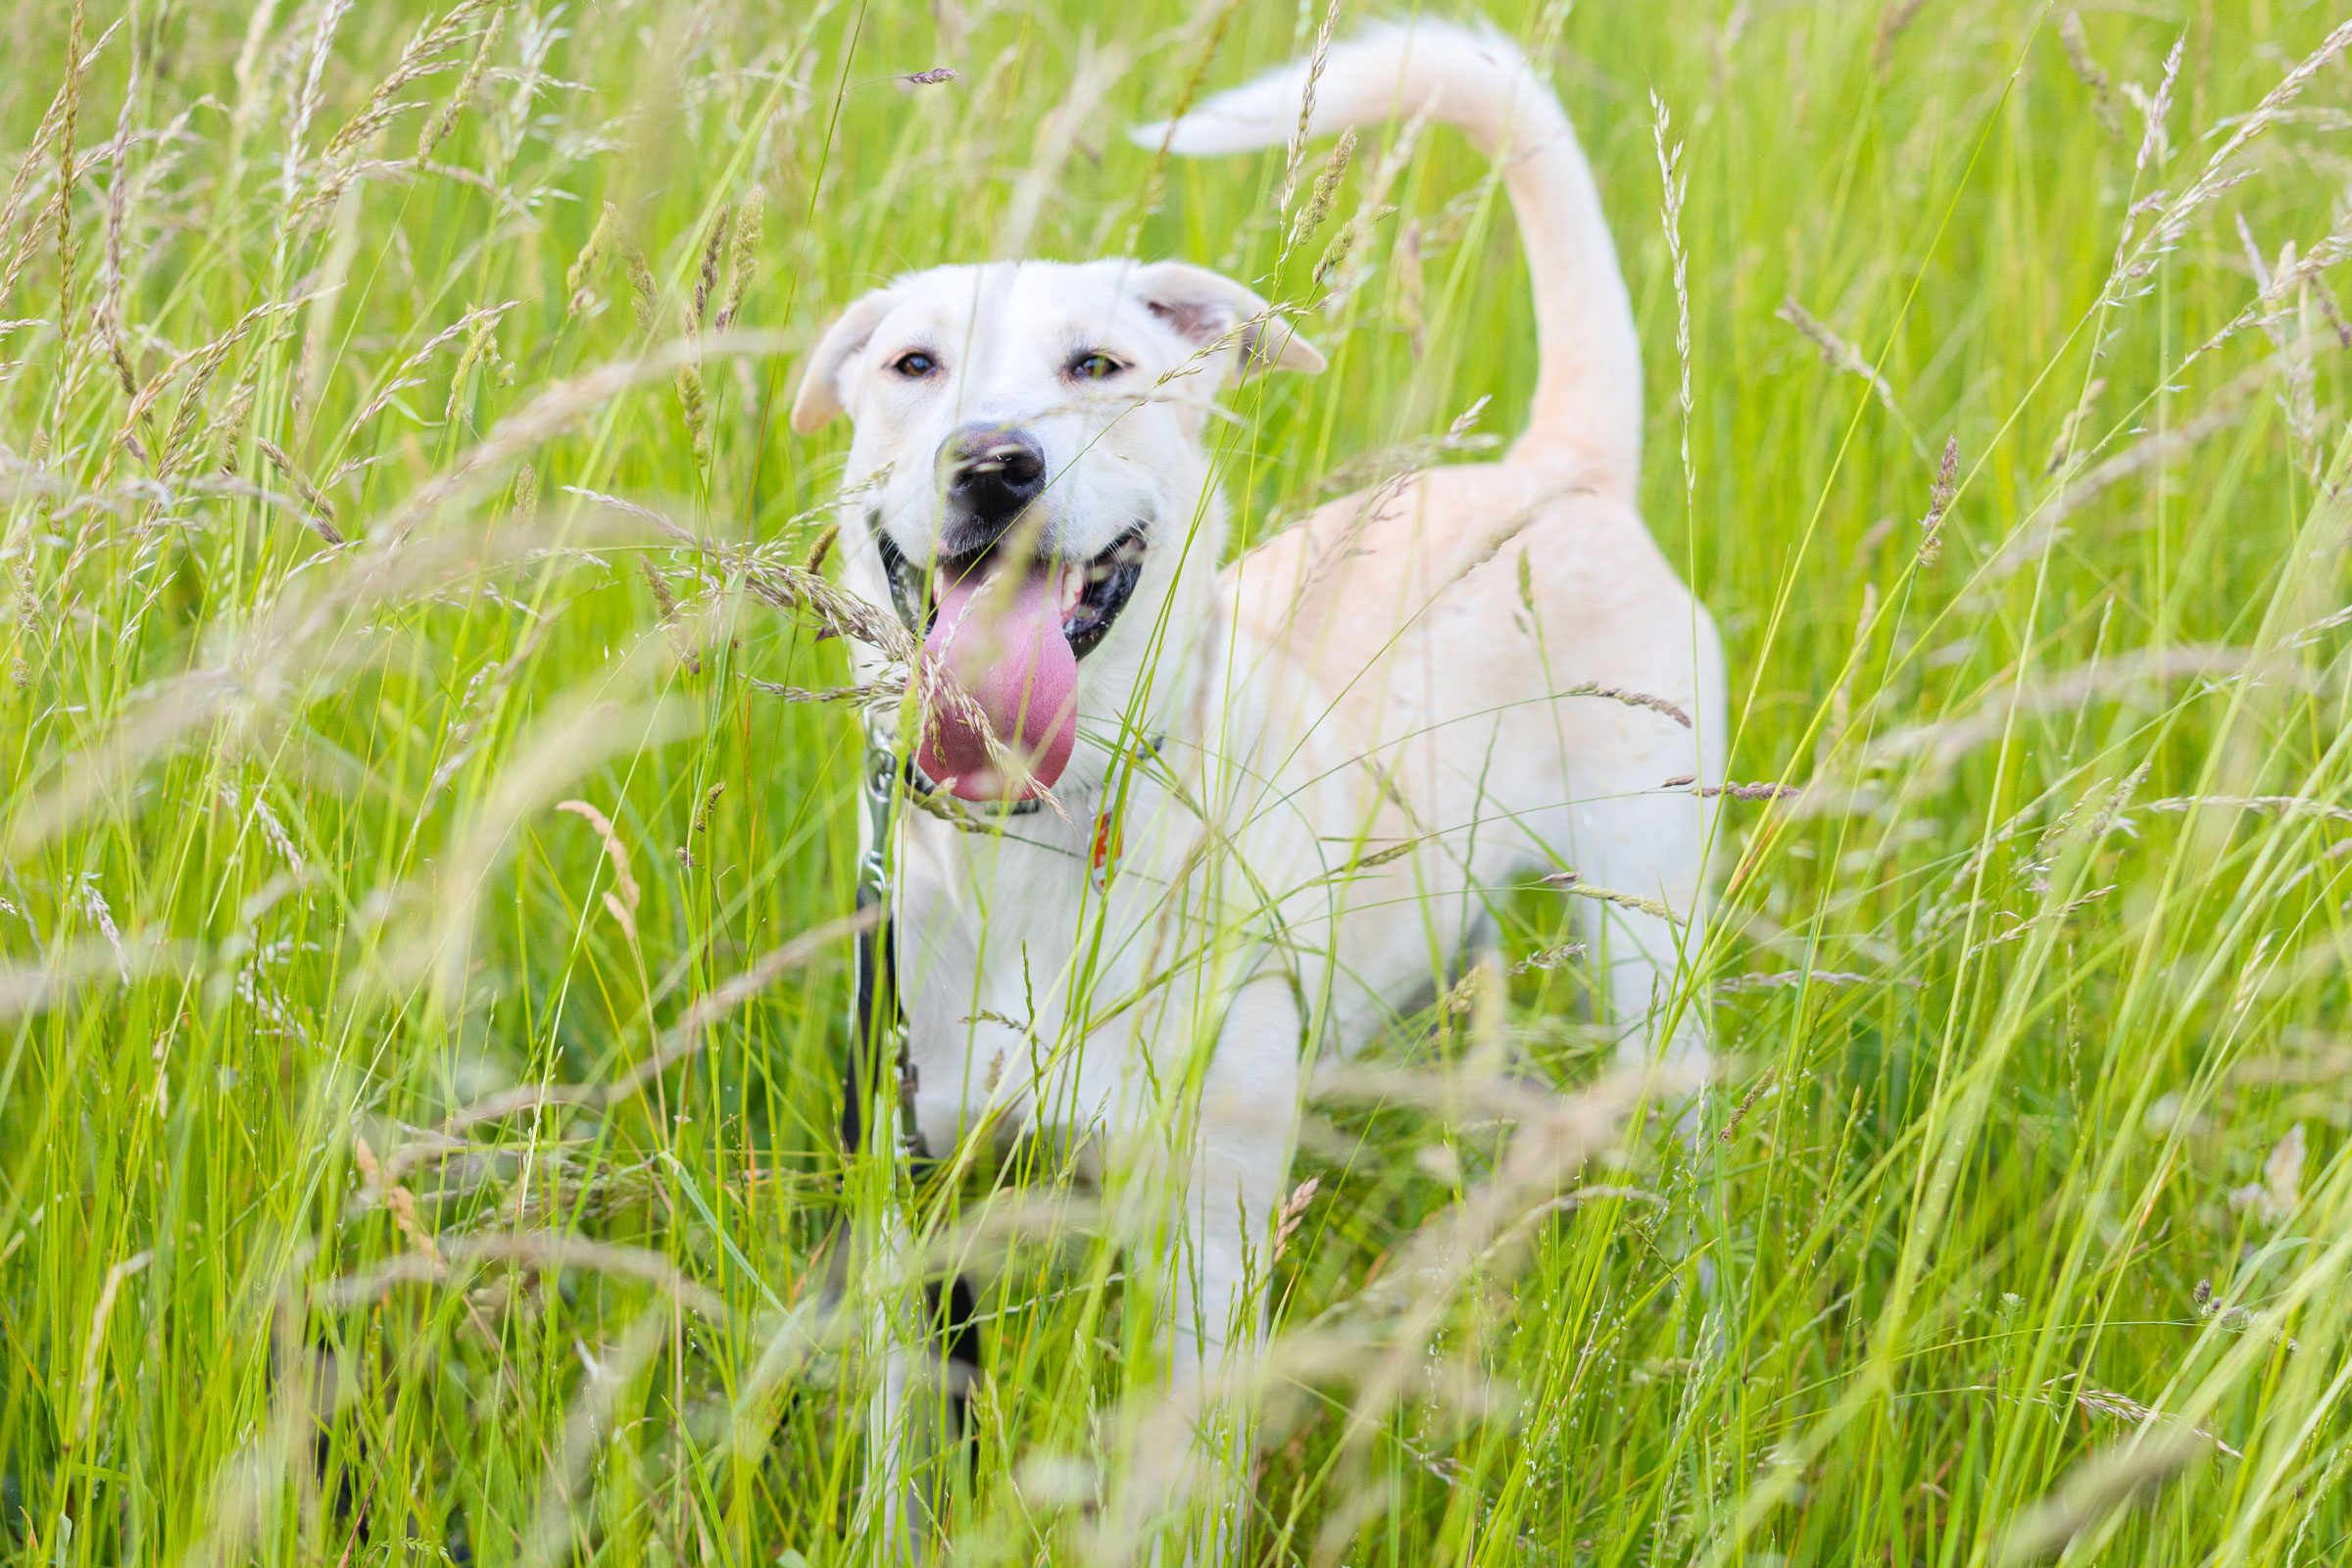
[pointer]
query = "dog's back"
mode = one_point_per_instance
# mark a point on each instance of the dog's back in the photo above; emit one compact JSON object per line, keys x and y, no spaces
{"x":1498,"y":650}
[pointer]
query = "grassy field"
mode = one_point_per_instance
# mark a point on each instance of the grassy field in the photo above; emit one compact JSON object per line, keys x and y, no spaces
{"x":392,"y":448}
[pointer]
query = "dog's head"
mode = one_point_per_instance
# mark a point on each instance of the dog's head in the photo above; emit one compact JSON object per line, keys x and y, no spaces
{"x":1030,"y":484}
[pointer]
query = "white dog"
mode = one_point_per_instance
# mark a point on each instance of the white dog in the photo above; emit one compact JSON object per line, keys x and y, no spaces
{"x":1285,"y":791}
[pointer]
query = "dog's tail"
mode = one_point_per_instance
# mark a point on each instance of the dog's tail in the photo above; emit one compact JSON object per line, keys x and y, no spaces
{"x":1587,"y":411}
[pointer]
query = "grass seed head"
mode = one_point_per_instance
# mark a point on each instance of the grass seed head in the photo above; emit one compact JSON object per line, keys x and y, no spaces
{"x":579,"y":281}
{"x":750,"y":218}
{"x":1939,"y":501}
{"x":2079,"y":56}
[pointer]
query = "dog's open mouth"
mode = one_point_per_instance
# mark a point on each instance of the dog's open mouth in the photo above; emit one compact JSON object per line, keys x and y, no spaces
{"x":1091,"y":594}
{"x":1006,"y":635}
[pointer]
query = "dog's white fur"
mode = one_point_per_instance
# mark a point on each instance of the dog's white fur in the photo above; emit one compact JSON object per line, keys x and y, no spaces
{"x":1390,"y":672}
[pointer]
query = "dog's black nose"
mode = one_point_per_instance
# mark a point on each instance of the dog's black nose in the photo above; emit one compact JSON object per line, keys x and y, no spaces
{"x":990,"y":475}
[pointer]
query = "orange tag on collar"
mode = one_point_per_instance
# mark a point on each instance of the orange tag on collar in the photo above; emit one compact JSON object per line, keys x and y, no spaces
{"x":1107,"y":846}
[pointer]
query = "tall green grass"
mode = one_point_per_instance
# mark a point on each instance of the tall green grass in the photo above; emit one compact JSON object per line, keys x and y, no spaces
{"x":379,"y":1179}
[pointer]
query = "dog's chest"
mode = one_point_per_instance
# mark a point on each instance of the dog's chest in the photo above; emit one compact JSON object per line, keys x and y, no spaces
{"x":1025,"y":957}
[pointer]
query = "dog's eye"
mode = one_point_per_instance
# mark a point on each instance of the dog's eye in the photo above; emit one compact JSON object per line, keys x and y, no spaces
{"x":1095,"y":366}
{"x":914,"y":364}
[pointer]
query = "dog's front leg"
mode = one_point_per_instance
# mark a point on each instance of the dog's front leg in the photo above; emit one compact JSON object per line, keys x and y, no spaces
{"x":903,"y":1410}
{"x":1244,"y":1131}
{"x":918,"y":1419}
{"x":1248,"y":1124}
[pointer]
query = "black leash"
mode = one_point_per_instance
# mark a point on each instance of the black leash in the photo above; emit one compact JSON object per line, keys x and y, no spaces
{"x":877,"y":1022}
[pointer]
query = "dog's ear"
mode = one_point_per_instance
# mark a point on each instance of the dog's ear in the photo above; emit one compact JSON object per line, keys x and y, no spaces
{"x":819,"y":401}
{"x":1205,"y":306}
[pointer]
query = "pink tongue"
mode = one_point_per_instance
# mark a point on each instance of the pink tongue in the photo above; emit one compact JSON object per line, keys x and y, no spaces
{"x":1003,"y":647}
